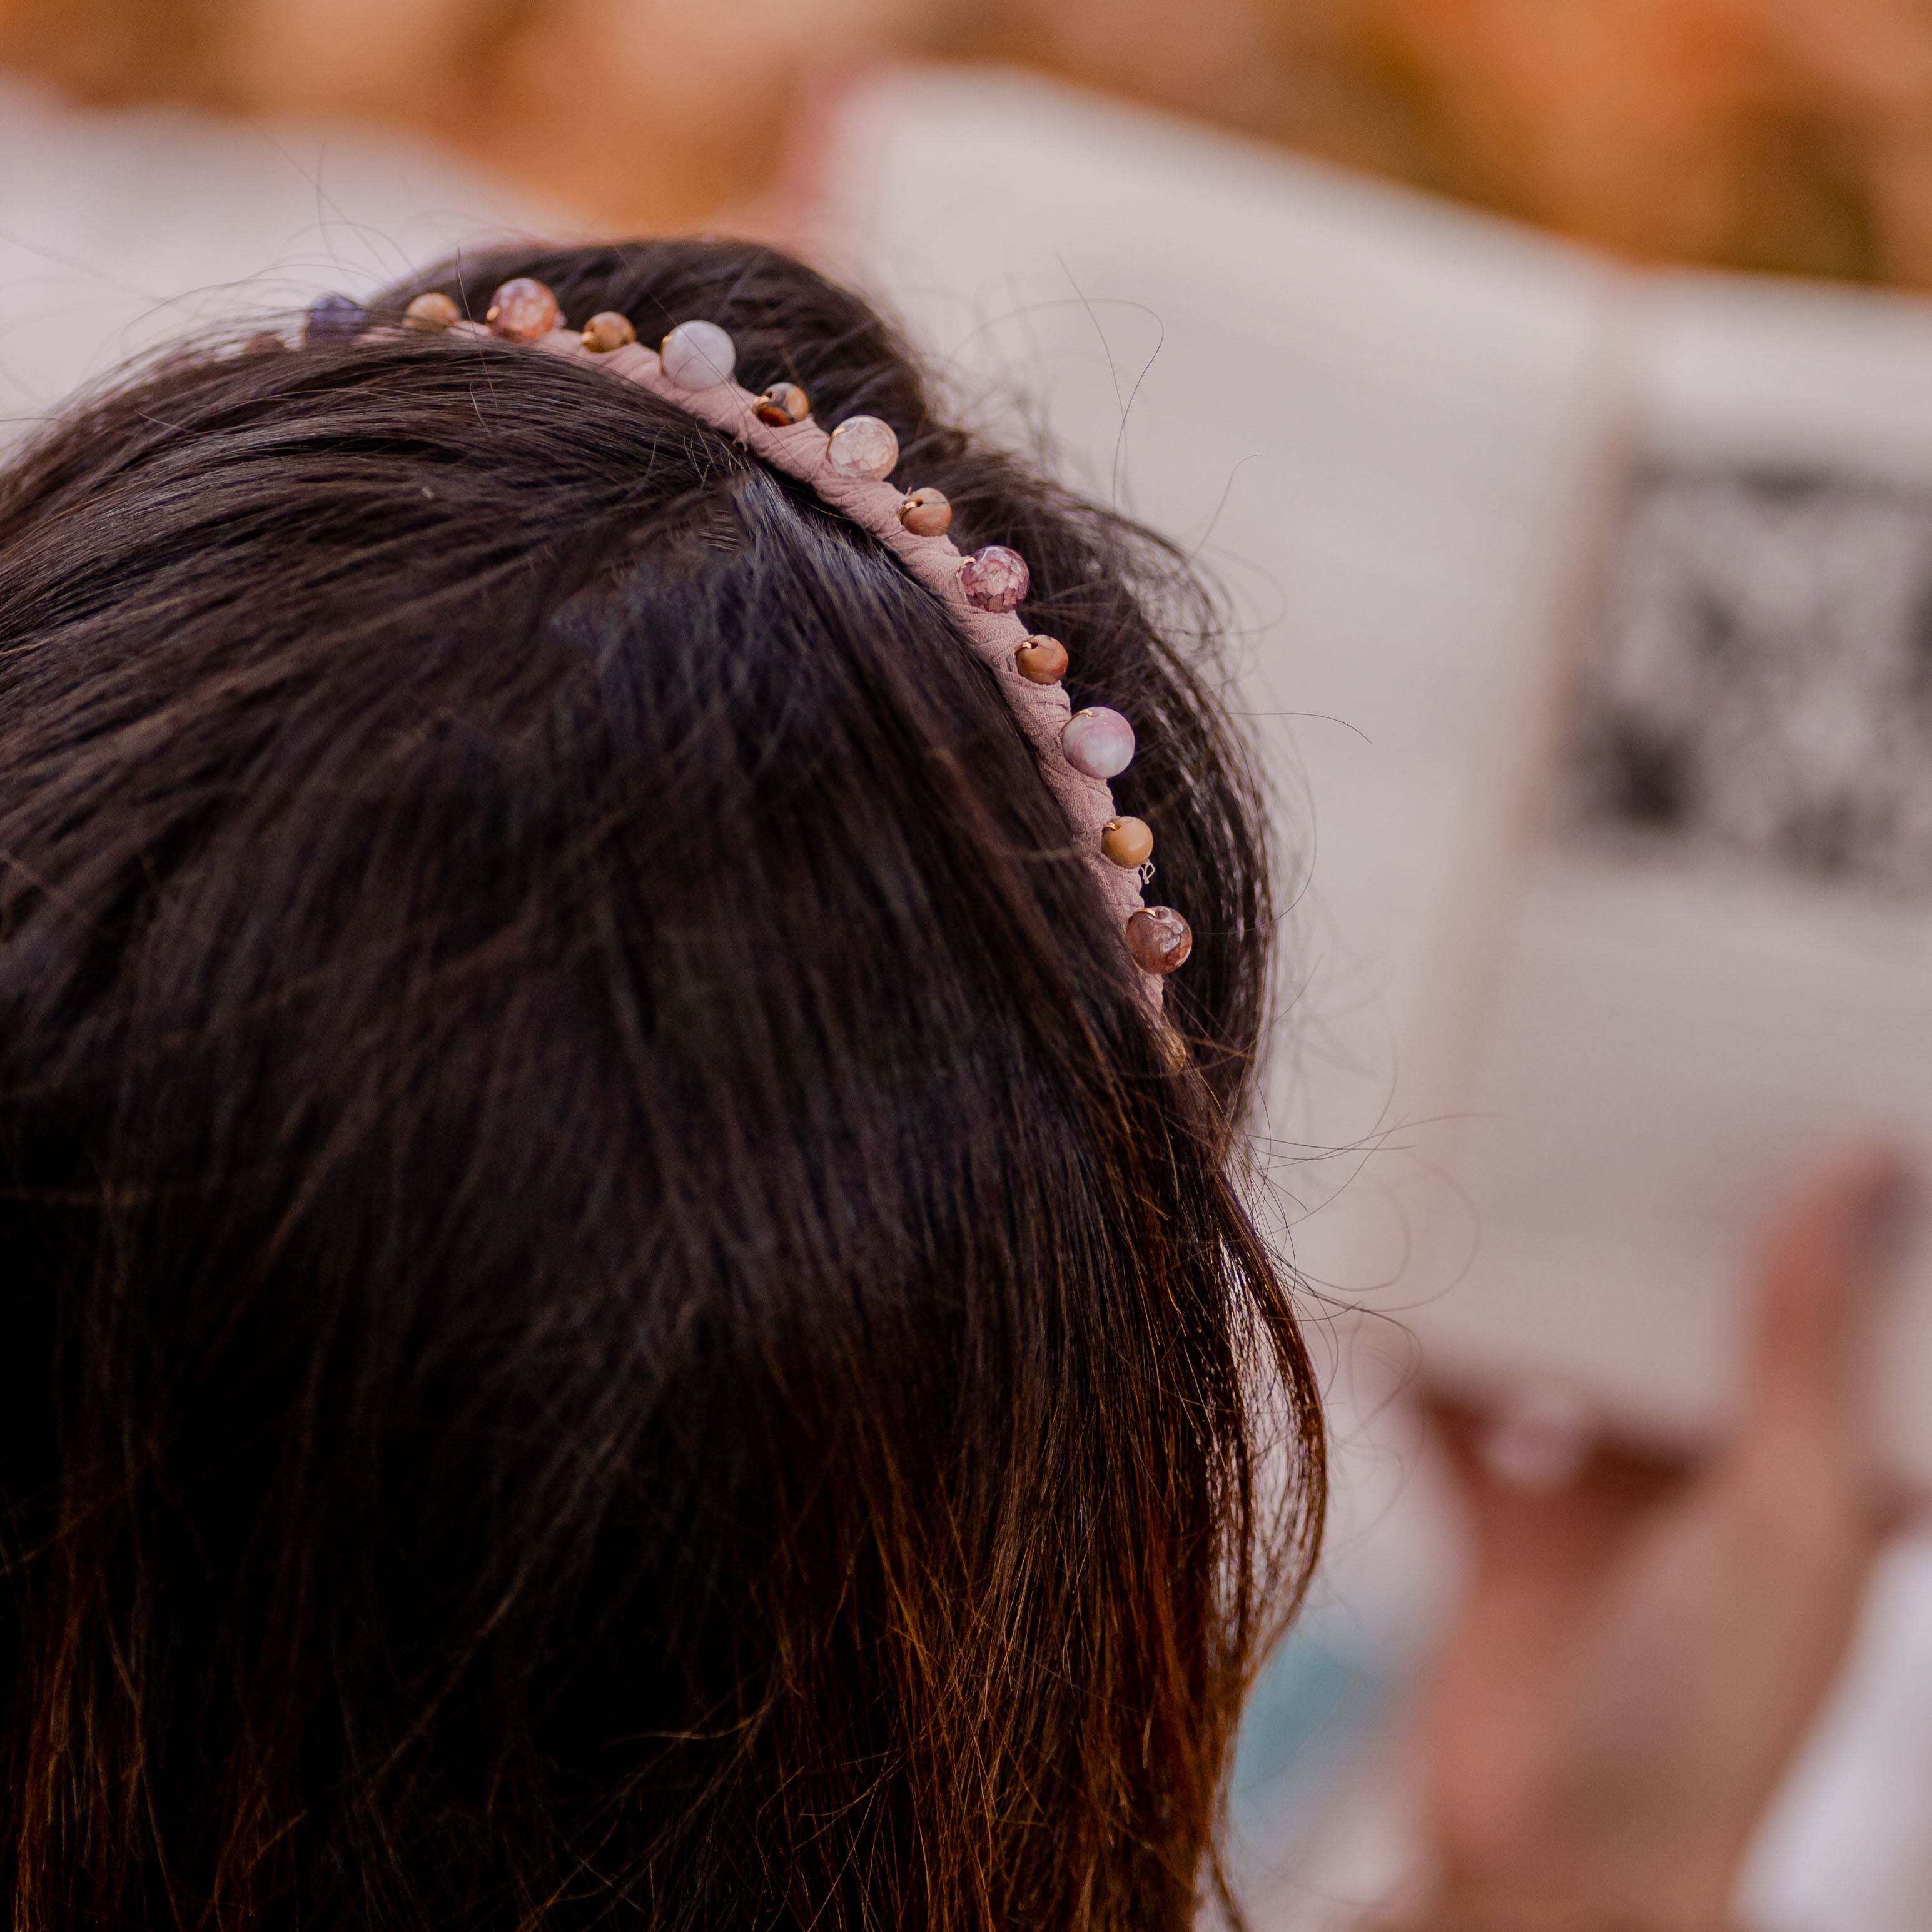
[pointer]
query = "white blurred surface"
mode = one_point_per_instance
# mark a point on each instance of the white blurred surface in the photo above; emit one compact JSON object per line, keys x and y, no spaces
{"x":122,"y":228}
{"x":1365,"y":413}
{"x":1371,"y":417}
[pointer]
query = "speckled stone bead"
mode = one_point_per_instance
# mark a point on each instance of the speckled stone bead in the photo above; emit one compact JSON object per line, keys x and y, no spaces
{"x":926,"y":513}
{"x":783,"y":404}
{"x":994,"y":579}
{"x":699,"y":355}
{"x":523,"y":311}
{"x":1041,"y":660}
{"x":1098,"y":742}
{"x":334,"y":319}
{"x":432,"y":312}
{"x":1159,"y":939}
{"x":606,"y":331}
{"x":1126,"y":842}
{"x":863,"y":446}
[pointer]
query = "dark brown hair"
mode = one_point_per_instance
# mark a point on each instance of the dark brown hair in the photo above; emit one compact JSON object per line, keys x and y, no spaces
{"x":613,"y":1310}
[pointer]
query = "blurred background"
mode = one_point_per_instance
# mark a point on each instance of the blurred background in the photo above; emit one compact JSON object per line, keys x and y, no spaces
{"x":1401,"y":316}
{"x":1787,"y":135}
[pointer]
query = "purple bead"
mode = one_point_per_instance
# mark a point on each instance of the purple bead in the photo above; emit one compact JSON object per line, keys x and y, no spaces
{"x":994,"y":579}
{"x":334,"y":319}
{"x":1098,"y":742}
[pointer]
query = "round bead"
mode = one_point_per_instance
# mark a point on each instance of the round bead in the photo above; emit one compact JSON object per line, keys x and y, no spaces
{"x":862,"y":446}
{"x":523,"y":311}
{"x":433,"y":312}
{"x":334,"y":319}
{"x":1098,"y":742}
{"x":926,"y":513}
{"x":606,"y":331}
{"x":1041,"y":660}
{"x":267,"y":342}
{"x":699,"y":355}
{"x":782,"y":405}
{"x":1127,"y":842}
{"x":994,"y":579}
{"x":1159,"y":939}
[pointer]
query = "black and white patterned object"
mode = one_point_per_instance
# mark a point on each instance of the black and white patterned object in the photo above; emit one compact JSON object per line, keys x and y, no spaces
{"x":1760,"y":675}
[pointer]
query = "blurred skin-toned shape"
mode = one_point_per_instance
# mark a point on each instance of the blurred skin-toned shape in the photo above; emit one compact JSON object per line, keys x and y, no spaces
{"x":1779,"y":134}
{"x":1643,"y":1647}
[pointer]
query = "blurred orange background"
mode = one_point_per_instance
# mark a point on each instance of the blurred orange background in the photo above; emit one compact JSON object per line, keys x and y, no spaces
{"x":1790,"y":135}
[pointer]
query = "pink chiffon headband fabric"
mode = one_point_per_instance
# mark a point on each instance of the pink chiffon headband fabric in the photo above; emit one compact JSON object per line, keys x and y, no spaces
{"x":1078,"y":751}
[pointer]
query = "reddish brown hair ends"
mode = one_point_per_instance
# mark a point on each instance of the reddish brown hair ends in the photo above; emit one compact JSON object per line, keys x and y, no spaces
{"x":612,"y":1311}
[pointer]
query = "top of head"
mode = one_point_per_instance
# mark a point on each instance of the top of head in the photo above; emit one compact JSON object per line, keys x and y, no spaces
{"x":848,"y":466}
{"x":554,"y":1045}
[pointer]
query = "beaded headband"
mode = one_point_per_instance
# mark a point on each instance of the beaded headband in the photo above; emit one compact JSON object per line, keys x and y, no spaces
{"x":1078,"y":751}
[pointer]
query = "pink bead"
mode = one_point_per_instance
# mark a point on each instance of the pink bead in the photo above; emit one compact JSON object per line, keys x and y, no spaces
{"x":522,"y":311}
{"x":862,"y":446}
{"x":994,"y":579}
{"x":699,"y":355}
{"x":1159,"y":939}
{"x":1098,"y":742}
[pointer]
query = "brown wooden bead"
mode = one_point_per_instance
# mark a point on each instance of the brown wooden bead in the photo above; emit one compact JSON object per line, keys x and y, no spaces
{"x":431,"y":312}
{"x":606,"y":331}
{"x":1159,"y":939}
{"x":522,"y":311}
{"x":1041,"y":660}
{"x":926,"y":513}
{"x":783,"y":404}
{"x":1128,"y":842}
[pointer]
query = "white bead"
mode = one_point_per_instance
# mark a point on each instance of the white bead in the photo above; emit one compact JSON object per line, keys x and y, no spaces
{"x":1098,"y":742}
{"x":699,"y":355}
